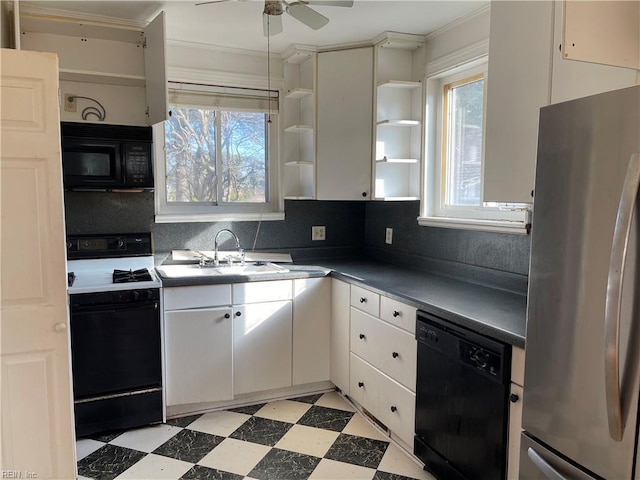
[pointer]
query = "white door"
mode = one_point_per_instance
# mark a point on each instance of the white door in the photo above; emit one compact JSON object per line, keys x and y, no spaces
{"x":37,"y":412}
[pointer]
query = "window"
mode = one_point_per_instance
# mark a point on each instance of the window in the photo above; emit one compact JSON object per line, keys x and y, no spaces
{"x":456,"y":105}
{"x":219,"y":158}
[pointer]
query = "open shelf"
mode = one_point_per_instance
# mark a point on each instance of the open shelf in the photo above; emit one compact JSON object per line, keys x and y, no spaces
{"x":399,"y":84}
{"x":297,"y":163}
{"x":299,"y":93}
{"x":396,"y":199}
{"x":398,"y":123}
{"x":298,"y":128}
{"x":102,"y":77}
{"x":396,"y":160}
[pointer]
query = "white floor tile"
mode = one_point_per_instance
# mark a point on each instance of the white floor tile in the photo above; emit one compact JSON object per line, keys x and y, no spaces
{"x":332,"y":470}
{"x":146,"y":439}
{"x":85,"y":446}
{"x":283,"y":411}
{"x":360,"y":426}
{"x":156,"y":467}
{"x":334,"y":400}
{"x":398,"y":462}
{"x":221,"y":423}
{"x":308,"y":440}
{"x":235,"y":456}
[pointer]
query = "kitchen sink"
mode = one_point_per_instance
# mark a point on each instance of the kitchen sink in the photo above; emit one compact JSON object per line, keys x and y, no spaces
{"x":195,"y":270}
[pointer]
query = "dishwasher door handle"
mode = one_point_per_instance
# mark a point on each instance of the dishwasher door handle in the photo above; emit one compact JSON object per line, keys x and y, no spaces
{"x":542,"y":465}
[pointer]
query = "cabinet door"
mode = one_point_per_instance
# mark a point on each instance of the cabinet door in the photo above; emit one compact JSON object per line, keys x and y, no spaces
{"x":397,"y":409}
{"x":365,"y":384}
{"x":397,"y":354}
{"x":366,"y":336}
{"x":156,"y":70}
{"x":311,"y":323}
{"x":345,"y":109}
{"x":262,"y":337}
{"x":340,"y":307}
{"x":515,"y":431}
{"x":518,"y":85}
{"x":198,"y":346}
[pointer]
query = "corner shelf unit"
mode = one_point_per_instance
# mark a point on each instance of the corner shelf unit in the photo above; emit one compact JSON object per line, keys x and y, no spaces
{"x":299,"y":120}
{"x":398,"y":100}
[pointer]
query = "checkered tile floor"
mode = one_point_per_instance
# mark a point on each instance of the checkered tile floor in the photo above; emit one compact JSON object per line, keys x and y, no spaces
{"x":313,"y":437}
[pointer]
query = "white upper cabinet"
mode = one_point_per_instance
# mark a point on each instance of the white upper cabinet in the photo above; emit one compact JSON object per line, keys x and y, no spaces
{"x":119,"y":66}
{"x":345,"y":109}
{"x":521,"y":38}
{"x":399,"y":115}
{"x":603,"y":32}
{"x":299,"y":121}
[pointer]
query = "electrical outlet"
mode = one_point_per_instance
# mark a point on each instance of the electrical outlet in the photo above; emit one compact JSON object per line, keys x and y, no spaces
{"x":388,"y":238}
{"x":70,"y":103}
{"x":318,"y":232}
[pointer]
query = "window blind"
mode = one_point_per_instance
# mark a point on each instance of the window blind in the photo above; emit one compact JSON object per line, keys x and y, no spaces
{"x":222,"y":98}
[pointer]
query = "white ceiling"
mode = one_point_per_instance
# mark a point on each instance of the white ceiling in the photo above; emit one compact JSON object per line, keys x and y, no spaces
{"x":238,"y":23}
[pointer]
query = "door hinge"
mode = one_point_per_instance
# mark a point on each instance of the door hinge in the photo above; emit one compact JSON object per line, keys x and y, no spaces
{"x":146,"y":112}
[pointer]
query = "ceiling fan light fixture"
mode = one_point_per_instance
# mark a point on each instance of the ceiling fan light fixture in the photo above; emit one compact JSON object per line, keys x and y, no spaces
{"x":273,"y":7}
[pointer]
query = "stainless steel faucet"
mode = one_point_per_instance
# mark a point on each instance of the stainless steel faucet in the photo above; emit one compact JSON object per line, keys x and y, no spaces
{"x":215,"y":246}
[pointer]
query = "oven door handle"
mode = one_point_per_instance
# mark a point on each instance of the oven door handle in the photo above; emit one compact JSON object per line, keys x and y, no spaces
{"x":111,"y":308}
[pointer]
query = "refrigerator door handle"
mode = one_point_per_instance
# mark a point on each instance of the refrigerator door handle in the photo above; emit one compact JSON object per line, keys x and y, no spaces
{"x":542,"y":465}
{"x":614,"y":297}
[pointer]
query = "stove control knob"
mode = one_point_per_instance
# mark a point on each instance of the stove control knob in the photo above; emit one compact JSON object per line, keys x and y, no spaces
{"x":136,"y":295}
{"x":120,"y":243}
{"x":150,"y":295}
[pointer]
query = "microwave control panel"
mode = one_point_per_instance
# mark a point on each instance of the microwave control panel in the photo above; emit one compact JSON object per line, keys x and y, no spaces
{"x":137,"y":164}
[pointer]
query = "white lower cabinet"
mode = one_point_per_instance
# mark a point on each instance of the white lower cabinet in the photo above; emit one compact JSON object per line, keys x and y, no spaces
{"x":262,"y":338}
{"x":339,"y":357}
{"x":515,"y":413}
{"x":198,"y":355}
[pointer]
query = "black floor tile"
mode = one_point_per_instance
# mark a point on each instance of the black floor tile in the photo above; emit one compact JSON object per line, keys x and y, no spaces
{"x":106,"y":437}
{"x":108,"y":462}
{"x":327,"y":418}
{"x":189,"y":445}
{"x":183,"y":421}
{"x":198,"y":472}
{"x":361,"y":451}
{"x":284,"y":465}
{"x":390,"y":476}
{"x":308,"y":398}
{"x":261,"y":430}
{"x":248,"y":409}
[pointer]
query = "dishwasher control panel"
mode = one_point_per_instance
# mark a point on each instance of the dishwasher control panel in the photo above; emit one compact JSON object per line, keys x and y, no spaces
{"x":480,"y":358}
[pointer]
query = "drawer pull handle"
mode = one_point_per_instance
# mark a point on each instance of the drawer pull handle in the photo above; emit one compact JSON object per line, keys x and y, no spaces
{"x":396,"y":313}
{"x":393,"y":408}
{"x":362,"y":336}
{"x":360,"y":384}
{"x":394,"y":354}
{"x":363,"y":299}
{"x":226,"y":315}
{"x":238,"y":314}
{"x":514,"y":398}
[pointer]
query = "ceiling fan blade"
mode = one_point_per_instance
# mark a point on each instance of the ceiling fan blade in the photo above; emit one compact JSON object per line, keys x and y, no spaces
{"x":331,"y":3}
{"x":271,"y":24}
{"x":306,"y":15}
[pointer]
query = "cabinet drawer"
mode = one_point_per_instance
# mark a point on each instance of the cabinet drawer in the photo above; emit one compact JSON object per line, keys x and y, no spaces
{"x":397,"y":409}
{"x":398,"y":314}
{"x":365,"y":300}
{"x":364,"y":384}
{"x":396,"y":354}
{"x":182,"y":298}
{"x":365,"y":336}
{"x":256,"y":292}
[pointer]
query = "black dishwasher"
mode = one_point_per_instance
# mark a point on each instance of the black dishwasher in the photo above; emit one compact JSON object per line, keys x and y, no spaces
{"x":462,"y":394}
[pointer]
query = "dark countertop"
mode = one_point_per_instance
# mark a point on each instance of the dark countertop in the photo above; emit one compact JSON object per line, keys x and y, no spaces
{"x":496,"y":313}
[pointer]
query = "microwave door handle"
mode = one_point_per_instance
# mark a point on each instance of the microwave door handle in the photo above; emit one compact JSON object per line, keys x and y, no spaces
{"x":613,"y":301}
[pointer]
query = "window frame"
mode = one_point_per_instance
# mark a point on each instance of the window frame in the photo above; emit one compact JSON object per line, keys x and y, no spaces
{"x":177,"y":212}
{"x":434,"y":211}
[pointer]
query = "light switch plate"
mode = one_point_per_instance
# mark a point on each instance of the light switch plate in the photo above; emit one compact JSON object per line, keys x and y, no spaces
{"x":388,"y":238}
{"x":318,"y":232}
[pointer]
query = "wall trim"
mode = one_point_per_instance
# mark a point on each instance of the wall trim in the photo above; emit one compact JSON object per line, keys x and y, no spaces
{"x":449,"y":26}
{"x":463,"y":55}
{"x":216,"y":77}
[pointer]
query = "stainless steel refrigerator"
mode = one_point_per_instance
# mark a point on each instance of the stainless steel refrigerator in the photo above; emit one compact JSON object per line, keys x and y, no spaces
{"x":580,"y":410}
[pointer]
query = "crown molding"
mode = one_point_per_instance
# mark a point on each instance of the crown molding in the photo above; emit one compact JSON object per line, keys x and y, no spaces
{"x":456,"y":23}
{"x":60,"y":15}
{"x":452,"y":60}
{"x":215,"y":77}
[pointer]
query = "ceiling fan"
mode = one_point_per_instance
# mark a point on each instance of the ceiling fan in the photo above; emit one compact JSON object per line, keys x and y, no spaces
{"x":300,"y":10}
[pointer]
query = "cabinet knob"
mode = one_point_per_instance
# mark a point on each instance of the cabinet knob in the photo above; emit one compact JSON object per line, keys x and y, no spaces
{"x":60,"y":327}
{"x":363,"y":299}
{"x":362,"y":336}
{"x":393,"y":408}
{"x":514,"y":398}
{"x":360,"y":384}
{"x":364,"y":194}
{"x":396,"y":313}
{"x":238,"y":314}
{"x":394,"y":354}
{"x":226,"y":315}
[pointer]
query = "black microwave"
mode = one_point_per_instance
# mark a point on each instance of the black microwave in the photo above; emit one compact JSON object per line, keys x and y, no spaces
{"x":106,"y":157}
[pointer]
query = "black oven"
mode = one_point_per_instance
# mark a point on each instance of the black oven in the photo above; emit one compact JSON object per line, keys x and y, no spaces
{"x":116,"y":359}
{"x":106,"y":157}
